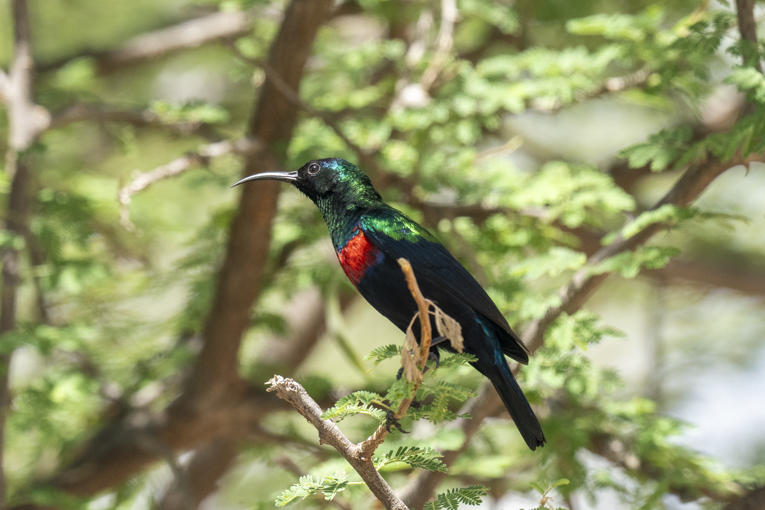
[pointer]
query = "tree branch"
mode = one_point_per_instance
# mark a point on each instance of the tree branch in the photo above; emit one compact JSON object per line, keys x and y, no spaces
{"x":329,"y":433}
{"x":215,"y":401}
{"x":443,"y":45}
{"x":184,"y":35}
{"x":22,"y":118}
{"x":201,"y":474}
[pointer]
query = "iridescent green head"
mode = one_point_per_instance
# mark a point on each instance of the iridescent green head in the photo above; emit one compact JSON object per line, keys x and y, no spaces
{"x":327,"y":180}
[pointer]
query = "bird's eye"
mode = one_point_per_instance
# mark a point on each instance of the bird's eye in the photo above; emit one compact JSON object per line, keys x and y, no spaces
{"x":313,"y":169}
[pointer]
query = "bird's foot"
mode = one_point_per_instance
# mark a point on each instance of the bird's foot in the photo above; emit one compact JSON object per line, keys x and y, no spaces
{"x":391,"y":420}
{"x":400,"y":373}
{"x":435,"y":357}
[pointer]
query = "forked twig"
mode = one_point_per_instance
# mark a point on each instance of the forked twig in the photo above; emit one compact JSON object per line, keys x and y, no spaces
{"x":359,"y":456}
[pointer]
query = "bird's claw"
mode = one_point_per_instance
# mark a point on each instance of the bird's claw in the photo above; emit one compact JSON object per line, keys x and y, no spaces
{"x":391,"y":420}
{"x":433,"y":355}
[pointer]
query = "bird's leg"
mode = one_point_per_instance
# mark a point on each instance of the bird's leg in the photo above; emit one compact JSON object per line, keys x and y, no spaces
{"x":391,"y":420}
{"x":433,"y":354}
{"x":436,"y":357}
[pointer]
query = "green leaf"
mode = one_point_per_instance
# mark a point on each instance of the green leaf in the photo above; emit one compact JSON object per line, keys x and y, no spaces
{"x":668,"y":214}
{"x":452,"y":499}
{"x":413,"y":456}
{"x":195,"y":111}
{"x":438,"y":410}
{"x":660,"y":150}
{"x":382,"y":353}
{"x":359,"y":402}
{"x":457,"y":359}
{"x":749,"y":80}
{"x":555,"y":261}
{"x":629,"y":263}
{"x":306,"y":486}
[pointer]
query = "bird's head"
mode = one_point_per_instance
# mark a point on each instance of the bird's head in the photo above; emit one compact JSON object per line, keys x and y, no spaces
{"x":326,"y":180}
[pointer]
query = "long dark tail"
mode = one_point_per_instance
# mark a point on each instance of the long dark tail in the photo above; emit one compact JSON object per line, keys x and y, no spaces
{"x":517,"y":405}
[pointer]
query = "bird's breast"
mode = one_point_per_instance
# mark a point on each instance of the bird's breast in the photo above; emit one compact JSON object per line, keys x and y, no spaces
{"x":358,"y":255}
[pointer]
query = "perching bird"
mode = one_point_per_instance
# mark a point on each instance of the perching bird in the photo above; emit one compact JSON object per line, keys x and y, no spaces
{"x":369,"y":236}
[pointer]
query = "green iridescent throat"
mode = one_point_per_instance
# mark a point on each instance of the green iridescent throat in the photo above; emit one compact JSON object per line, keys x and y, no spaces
{"x":343,"y":207}
{"x":354,"y":201}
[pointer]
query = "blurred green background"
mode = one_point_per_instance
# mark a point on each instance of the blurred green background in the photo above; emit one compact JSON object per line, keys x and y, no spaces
{"x":524,"y":134}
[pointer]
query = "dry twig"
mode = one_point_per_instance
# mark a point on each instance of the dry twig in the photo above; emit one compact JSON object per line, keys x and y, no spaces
{"x":329,"y":433}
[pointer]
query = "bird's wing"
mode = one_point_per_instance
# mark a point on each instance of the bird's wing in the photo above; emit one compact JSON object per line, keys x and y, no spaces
{"x":398,"y":236}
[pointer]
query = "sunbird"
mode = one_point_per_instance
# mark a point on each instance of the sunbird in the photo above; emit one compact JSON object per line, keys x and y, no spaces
{"x":369,"y":236}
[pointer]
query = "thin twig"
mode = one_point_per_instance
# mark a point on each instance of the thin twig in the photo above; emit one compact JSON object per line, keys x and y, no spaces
{"x":186,"y":34}
{"x":292,"y":96}
{"x":369,"y":446}
{"x":22,"y":116}
{"x":329,"y":433}
{"x":443,"y":45}
{"x":200,"y":157}
{"x":361,"y":453}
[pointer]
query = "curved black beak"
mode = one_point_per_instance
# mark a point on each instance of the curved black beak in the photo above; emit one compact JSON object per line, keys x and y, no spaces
{"x":270,"y":176}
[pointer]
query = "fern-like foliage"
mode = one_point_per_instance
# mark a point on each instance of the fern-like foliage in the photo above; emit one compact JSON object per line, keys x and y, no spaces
{"x":413,"y":456}
{"x":306,"y":486}
{"x":382,"y":353}
{"x":359,"y":402}
{"x":452,"y":499}
{"x":438,"y":410}
{"x":457,"y":359}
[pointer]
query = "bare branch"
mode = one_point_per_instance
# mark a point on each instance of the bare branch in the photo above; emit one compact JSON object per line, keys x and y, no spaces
{"x":754,"y":500}
{"x":184,"y":35}
{"x":292,"y":96}
{"x":243,"y":269}
{"x":443,"y":45}
{"x":329,"y":433}
{"x":201,"y":157}
{"x":23,"y":116}
{"x":26,"y":118}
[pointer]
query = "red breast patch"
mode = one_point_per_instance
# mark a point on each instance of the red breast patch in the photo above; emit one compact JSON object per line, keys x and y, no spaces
{"x":357,"y":256}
